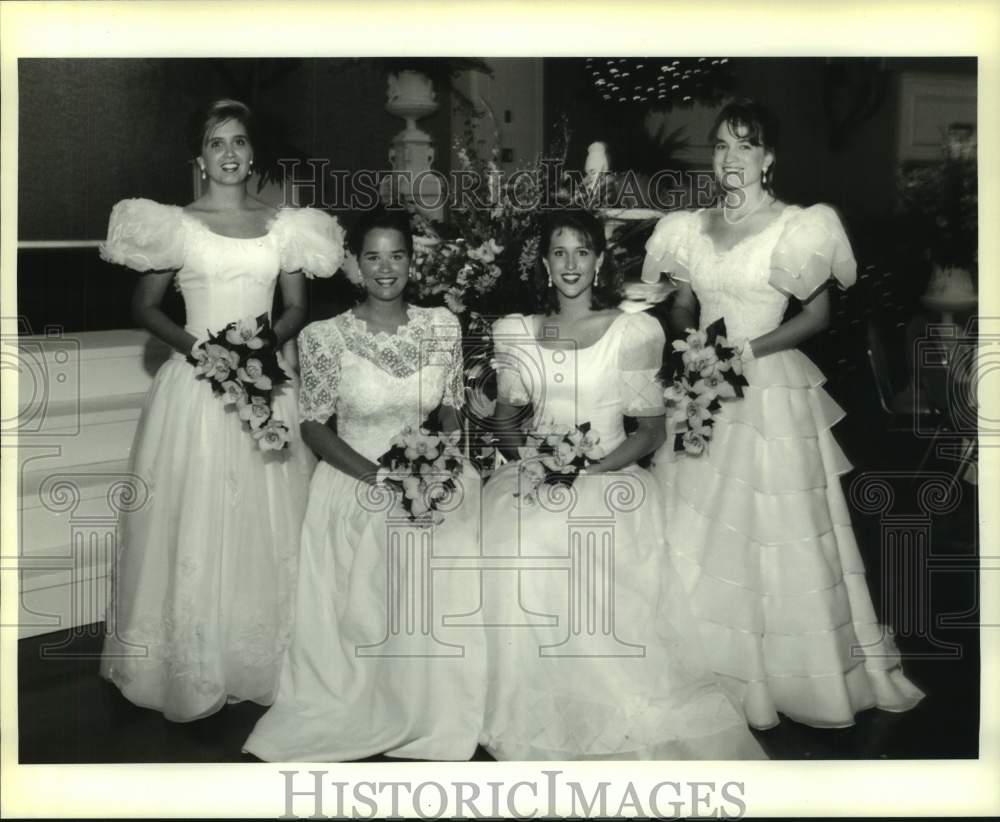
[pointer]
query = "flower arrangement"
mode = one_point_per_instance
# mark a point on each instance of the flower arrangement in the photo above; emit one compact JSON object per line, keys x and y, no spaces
{"x":483,"y":260}
{"x":702,"y":370}
{"x":940,"y":202}
{"x":555,"y":456}
{"x":423,"y":465}
{"x":482,"y":264}
{"x":241,"y":364}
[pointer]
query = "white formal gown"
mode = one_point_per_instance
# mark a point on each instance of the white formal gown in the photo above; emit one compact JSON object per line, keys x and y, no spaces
{"x":758,"y":526}
{"x":205,"y":573}
{"x":593,"y":651}
{"x":373,"y":667}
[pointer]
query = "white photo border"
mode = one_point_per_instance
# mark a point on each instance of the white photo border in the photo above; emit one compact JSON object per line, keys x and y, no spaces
{"x":198,"y":29}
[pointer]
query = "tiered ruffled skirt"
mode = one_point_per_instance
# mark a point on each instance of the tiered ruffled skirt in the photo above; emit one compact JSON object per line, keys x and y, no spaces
{"x":761,"y":536}
{"x":205,"y":573}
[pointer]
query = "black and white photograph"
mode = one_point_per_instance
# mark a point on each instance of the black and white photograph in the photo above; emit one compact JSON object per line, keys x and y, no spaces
{"x":591,"y":430}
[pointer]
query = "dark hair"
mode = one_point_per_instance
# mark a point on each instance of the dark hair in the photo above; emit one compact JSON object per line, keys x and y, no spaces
{"x":607,"y":289}
{"x":760,"y":125}
{"x":388,"y":219}
{"x":206,"y":120}
{"x":395,"y":219}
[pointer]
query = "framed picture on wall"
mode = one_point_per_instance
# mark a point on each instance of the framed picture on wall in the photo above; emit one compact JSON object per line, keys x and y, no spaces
{"x":933,"y":108}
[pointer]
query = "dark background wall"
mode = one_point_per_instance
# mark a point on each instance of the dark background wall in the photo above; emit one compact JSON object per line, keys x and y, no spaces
{"x":94,"y":131}
{"x":838,"y":122}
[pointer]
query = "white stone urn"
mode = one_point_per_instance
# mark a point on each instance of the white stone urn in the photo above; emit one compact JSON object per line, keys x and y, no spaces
{"x":410,"y":95}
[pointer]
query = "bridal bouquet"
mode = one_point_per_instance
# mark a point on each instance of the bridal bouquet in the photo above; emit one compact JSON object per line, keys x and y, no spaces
{"x":555,"y":456}
{"x":702,"y":370}
{"x":241,"y":364}
{"x":423,"y":465}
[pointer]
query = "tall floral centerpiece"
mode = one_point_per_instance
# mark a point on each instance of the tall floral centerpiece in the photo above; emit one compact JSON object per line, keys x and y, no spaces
{"x":482,"y":262}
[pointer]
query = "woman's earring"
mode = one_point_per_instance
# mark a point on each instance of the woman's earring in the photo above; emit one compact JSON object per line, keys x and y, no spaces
{"x":204,"y":176}
{"x":250,"y":172}
{"x":763,"y":177}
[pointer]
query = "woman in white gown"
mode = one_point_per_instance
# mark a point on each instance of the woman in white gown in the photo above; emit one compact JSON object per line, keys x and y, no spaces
{"x":758,"y":526}
{"x":373,"y":668}
{"x":592,"y":652}
{"x":203,"y":582}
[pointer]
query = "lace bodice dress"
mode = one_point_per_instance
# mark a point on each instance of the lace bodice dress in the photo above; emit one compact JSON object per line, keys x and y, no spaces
{"x":345,"y":694}
{"x":758,"y":526}
{"x":204,"y":576}
{"x":375,"y":384}
{"x":592,"y":651}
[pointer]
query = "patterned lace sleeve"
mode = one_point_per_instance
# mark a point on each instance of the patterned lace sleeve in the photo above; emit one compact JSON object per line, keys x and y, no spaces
{"x":144,"y":236}
{"x":508,"y":334}
{"x":812,"y":248}
{"x":639,"y":357}
{"x":450,"y":329}
{"x":320,"y":351}
{"x":667,"y":249}
{"x":310,"y":240}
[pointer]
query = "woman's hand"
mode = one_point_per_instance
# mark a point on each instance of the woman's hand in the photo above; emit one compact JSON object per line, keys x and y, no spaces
{"x":650,"y":434}
{"x":506,"y":426}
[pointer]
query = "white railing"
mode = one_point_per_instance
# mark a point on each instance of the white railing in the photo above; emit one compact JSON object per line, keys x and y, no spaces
{"x":79,"y":401}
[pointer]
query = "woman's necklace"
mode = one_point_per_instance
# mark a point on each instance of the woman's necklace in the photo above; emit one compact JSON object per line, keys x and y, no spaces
{"x":746,"y":216}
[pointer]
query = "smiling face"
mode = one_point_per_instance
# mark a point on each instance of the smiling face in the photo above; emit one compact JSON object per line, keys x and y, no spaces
{"x":384,"y":263}
{"x":226,"y":153}
{"x":571,"y":262}
{"x":737,"y":162}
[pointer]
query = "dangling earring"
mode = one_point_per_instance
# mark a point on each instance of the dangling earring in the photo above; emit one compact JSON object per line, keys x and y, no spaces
{"x":204,"y":176}
{"x":250,"y":172}
{"x":763,"y":178}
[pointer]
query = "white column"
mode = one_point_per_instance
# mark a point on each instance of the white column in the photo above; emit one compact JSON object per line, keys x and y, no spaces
{"x":411,"y":96}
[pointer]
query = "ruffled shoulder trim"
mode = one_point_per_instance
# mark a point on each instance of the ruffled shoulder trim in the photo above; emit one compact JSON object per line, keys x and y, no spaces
{"x":145,"y":236}
{"x":668,"y":249}
{"x":310,"y":241}
{"x":813,"y":247}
